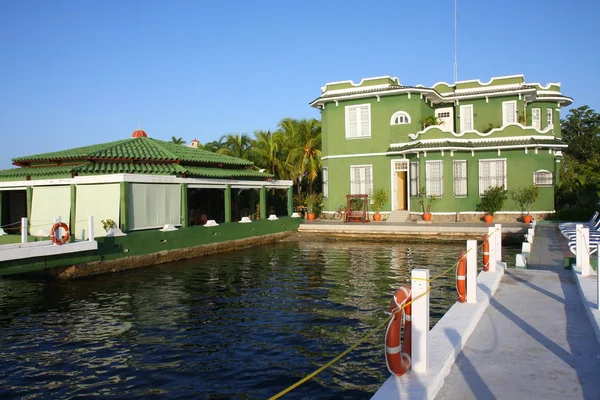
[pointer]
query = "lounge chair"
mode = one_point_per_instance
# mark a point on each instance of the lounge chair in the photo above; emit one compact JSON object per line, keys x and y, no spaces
{"x":571,"y":225}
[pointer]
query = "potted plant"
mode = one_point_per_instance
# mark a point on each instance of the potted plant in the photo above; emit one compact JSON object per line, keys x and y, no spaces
{"x":524,"y":198}
{"x":492,"y":201}
{"x":426,"y":202}
{"x":430,"y":120}
{"x":311,"y":202}
{"x":380,"y":197}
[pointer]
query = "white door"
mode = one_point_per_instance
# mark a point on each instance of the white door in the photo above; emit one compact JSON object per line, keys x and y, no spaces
{"x":466,"y":118}
{"x":446,"y":117}
{"x":509,"y":112}
{"x":536,"y":118}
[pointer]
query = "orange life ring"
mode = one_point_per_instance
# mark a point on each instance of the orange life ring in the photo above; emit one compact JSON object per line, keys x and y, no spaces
{"x":486,"y":253}
{"x":461,"y":277}
{"x":65,"y":237}
{"x":397,"y":357}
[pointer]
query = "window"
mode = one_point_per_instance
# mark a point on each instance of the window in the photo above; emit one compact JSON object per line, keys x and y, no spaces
{"x":543,"y":178}
{"x":549,"y":121}
{"x":509,"y":112}
{"x":443,"y":114}
{"x":466,"y":118}
{"x":460,"y":178}
{"x":414,"y":179}
{"x":325,"y":182}
{"x":536,"y":118}
{"x":434,"y":178}
{"x":400,"y":118}
{"x":491,"y":173}
{"x":360,"y":179}
{"x":358,"y":121}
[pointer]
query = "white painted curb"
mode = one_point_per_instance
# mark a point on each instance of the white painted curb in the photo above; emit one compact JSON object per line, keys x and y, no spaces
{"x":587,"y":290}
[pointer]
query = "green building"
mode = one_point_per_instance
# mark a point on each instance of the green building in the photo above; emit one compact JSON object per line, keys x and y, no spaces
{"x":456,"y":140}
{"x":140,"y":183}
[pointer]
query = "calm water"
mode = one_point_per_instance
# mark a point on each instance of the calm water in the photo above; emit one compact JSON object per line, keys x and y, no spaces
{"x":244,"y":324}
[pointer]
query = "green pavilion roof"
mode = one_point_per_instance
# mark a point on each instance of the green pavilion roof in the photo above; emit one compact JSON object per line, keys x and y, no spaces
{"x":466,"y":144}
{"x":136,"y":149}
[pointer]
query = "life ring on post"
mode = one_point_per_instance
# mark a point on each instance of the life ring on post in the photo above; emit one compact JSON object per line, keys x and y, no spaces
{"x":65,"y":237}
{"x":486,"y":253}
{"x":461,"y":277}
{"x":397,"y":357}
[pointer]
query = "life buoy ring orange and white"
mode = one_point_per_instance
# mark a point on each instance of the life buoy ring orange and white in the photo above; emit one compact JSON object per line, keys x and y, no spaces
{"x":461,"y":277}
{"x":486,"y":253}
{"x":397,"y":355}
{"x":65,"y":237}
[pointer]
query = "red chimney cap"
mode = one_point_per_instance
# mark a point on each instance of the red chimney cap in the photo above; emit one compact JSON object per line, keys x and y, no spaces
{"x":138,"y":133}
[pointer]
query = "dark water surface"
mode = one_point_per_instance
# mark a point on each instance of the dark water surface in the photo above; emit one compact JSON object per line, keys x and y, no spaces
{"x":243,"y":324}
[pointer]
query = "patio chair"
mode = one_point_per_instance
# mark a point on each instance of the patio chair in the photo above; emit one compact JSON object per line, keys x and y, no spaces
{"x":594,"y":230}
{"x":571,"y":225}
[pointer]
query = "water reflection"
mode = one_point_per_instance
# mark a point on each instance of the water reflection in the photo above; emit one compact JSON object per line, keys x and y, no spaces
{"x":244,"y":324}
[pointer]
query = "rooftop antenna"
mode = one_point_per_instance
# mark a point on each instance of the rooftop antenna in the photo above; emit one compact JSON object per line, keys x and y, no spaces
{"x":455,"y":58}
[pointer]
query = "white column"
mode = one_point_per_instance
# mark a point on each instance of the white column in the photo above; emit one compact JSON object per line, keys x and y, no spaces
{"x":23,"y":230}
{"x":91,"y":229}
{"x":498,"y":237}
{"x":420,"y":320}
{"x":57,"y":220}
{"x":471,"y":271}
{"x":492,"y":245}
{"x":582,"y":241}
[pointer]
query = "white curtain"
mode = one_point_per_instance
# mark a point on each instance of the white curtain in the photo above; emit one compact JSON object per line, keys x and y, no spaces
{"x":49,"y":202}
{"x":100,"y":201}
{"x":154,"y":205}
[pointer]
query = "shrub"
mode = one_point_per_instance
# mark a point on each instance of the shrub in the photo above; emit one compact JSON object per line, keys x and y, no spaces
{"x":380,"y":197}
{"x":493,"y":199}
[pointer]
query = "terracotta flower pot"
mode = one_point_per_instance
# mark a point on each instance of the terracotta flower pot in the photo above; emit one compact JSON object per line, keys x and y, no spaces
{"x":377,"y":217}
{"x":427,"y":216}
{"x":527,"y":219}
{"x":311,"y":216}
{"x":488,"y":218}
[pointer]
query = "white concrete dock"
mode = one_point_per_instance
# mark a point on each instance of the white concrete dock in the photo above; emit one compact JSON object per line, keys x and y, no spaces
{"x":535,"y":339}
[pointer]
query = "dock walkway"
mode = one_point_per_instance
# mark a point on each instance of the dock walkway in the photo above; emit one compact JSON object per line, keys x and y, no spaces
{"x":534,"y":340}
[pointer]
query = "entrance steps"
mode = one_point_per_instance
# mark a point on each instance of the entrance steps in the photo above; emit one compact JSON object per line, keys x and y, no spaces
{"x":398,"y":216}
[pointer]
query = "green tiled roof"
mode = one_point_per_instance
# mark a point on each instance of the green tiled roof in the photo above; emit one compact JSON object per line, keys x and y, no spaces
{"x":138,"y":149}
{"x":37,"y":171}
{"x":449,"y":144}
{"x":225,"y":173}
{"x":129,"y":168}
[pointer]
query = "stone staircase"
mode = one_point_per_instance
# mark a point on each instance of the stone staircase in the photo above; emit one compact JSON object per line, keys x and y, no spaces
{"x":398,"y":216}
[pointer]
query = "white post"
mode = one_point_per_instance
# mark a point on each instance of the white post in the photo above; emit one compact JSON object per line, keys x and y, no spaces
{"x":471,"y":271}
{"x":420,"y":320}
{"x":23,"y":230}
{"x":582,"y":241}
{"x":492,"y":242}
{"x":57,"y":220}
{"x":91,"y":229}
{"x":598,"y":278}
{"x":498,"y":237}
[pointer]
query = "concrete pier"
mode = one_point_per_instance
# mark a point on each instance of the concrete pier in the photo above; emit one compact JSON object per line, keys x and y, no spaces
{"x":535,"y":340}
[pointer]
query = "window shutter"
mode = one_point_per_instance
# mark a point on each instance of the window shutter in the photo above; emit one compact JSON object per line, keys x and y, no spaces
{"x":325,"y":182}
{"x":536,"y":118}
{"x":549,"y":121}
{"x":434,"y":178}
{"x":364,"y":121}
{"x":352,"y":122}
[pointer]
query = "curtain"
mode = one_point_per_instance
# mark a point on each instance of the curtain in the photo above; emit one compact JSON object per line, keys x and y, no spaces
{"x":49,"y":202}
{"x":100,"y":201}
{"x":154,"y":205}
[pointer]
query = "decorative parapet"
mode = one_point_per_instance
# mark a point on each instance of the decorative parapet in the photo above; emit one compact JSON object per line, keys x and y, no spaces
{"x":434,"y":132}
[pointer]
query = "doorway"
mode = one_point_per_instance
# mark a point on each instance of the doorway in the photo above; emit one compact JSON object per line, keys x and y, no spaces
{"x":399,"y":185}
{"x":14,"y":207}
{"x":401,"y":192}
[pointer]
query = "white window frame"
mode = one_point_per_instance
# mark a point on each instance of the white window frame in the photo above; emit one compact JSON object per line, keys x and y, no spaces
{"x":368,"y":183}
{"x":400,"y":114}
{"x":505,"y":119}
{"x":482,"y":189}
{"x":466,"y":110}
{"x":431,"y":180}
{"x":414,"y":178}
{"x":461,"y":188}
{"x":536,"y":122}
{"x":359,"y":131}
{"x":546,"y":173}
{"x":549,"y":117}
{"x":325,"y":178}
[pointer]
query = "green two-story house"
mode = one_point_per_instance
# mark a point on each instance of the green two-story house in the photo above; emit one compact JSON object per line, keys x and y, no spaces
{"x":455,"y":140}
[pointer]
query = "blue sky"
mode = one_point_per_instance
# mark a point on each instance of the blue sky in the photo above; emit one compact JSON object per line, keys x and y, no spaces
{"x":83,"y":72}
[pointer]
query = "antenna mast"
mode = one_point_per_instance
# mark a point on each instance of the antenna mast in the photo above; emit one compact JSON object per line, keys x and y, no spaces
{"x":455,"y":58}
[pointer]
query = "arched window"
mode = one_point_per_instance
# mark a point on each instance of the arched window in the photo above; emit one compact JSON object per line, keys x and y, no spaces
{"x":543,"y":178}
{"x":400,"y":118}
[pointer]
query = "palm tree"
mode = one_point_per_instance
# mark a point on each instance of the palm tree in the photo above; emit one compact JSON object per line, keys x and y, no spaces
{"x":267,"y":151}
{"x":215,"y":145}
{"x":236,"y":146}
{"x":177,"y":140}
{"x":307,"y":152}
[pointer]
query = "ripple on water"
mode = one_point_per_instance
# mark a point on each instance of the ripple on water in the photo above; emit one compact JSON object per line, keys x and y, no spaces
{"x":243,"y":324}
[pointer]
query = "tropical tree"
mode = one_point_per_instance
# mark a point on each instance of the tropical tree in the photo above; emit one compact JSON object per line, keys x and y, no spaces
{"x":236,"y":146}
{"x":215,"y":145}
{"x":307,"y":151}
{"x":580,"y":171}
{"x":177,"y":140}
{"x":268,"y":150}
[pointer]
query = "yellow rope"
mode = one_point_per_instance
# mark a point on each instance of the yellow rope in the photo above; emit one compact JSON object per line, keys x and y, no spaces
{"x":348,"y":350}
